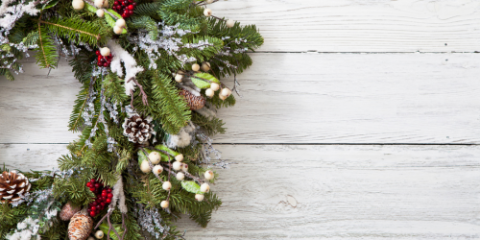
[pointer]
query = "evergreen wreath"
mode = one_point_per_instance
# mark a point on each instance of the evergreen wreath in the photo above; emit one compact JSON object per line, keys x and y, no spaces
{"x":151,"y":72}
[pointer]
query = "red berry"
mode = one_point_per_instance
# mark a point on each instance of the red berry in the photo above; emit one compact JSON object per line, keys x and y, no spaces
{"x":134,"y":4}
{"x":102,"y":204}
{"x":92,"y":189}
{"x":109,"y":190}
{"x":97,"y":52}
{"x":97,"y":185}
{"x":104,"y":194}
{"x":92,"y":180}
{"x":131,"y":7}
{"x":92,"y":213}
{"x":106,"y":65}
{"x":98,"y":206}
{"x":124,"y":15}
{"x":93,"y":208}
{"x":88,"y":184}
{"x":110,"y":195}
{"x":109,"y":200}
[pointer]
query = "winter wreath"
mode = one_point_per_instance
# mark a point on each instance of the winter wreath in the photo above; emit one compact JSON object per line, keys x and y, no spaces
{"x":150,"y":72}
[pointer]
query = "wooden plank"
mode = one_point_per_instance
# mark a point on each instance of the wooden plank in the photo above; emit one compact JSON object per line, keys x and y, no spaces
{"x":296,"y":98}
{"x":346,"y":192}
{"x":357,"y":98}
{"x":360,"y":25}
{"x":35,"y":108}
{"x":28,"y":157}
{"x":330,"y":192}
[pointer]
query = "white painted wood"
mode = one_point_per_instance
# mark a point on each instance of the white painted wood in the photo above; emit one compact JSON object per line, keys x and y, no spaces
{"x":35,"y":108}
{"x":28,"y":157}
{"x":360,"y":25}
{"x":296,"y":98}
{"x":331,"y":192}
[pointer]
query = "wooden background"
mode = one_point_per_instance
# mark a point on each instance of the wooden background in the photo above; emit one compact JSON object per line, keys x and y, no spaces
{"x":360,"y":120}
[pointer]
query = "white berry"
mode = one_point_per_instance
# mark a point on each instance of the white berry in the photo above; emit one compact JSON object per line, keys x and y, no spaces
{"x":180,"y":176}
{"x":206,"y":66}
{"x":117,"y":30}
{"x":121,"y":23}
{"x":167,"y":186}
{"x":177,"y":166}
{"x":195,"y":67}
{"x":230,"y":23}
{"x":90,"y":238}
{"x":199,"y":197}
{"x":185,"y":167}
{"x":179,"y":78}
{"x":214,"y":86}
{"x":78,"y":4}
{"x":99,"y":234}
{"x":154,"y":157}
{"x":105,"y":51}
{"x":100,"y":13}
{"x":209,"y":92}
{"x":209,"y":1}
{"x":222,"y":97}
{"x":209,"y":175}
{"x":205,"y":188}
{"x":164,"y":204}
{"x":145,"y":167}
{"x":105,"y":3}
{"x":207,"y":12}
{"x":179,"y":157}
{"x":158,"y":169}
{"x":99,"y":3}
{"x":226,"y":92}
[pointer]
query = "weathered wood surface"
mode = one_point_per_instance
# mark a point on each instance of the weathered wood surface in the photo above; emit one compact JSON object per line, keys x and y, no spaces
{"x":360,"y":25}
{"x":321,"y":191}
{"x":296,"y":98}
{"x":331,"y":192}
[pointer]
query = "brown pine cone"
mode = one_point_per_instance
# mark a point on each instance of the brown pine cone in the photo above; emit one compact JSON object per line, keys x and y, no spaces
{"x":194,"y":102}
{"x":68,"y":211}
{"x":138,"y":129}
{"x":13,"y":186}
{"x":80,"y":226}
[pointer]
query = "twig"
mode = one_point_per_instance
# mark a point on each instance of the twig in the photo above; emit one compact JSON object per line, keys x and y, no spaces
{"x":144,"y":95}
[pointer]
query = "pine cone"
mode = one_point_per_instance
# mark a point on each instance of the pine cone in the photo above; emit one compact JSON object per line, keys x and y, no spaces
{"x":68,"y":211}
{"x":138,"y":129}
{"x":194,"y":102}
{"x":13,"y":186}
{"x":80,"y":226}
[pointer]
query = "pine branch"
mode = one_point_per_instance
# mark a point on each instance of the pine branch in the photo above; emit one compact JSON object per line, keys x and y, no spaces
{"x":173,"y":109}
{"x":74,"y":29}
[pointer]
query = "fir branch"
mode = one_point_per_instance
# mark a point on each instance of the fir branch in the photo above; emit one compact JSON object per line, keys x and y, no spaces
{"x":74,"y":29}
{"x":173,"y":109}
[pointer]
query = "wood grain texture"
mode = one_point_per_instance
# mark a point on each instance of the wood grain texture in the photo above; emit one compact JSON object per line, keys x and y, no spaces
{"x":296,"y":98}
{"x":346,"y":192}
{"x":330,"y":192}
{"x":360,"y":25}
{"x":35,"y":108}
{"x":26,"y":157}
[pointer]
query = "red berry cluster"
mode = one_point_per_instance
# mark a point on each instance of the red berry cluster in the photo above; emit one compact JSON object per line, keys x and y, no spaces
{"x":103,"y":61}
{"x":124,"y":7}
{"x":104,"y":197}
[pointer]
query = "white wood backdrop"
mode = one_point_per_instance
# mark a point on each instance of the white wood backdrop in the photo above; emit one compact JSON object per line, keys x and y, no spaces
{"x":360,"y":120}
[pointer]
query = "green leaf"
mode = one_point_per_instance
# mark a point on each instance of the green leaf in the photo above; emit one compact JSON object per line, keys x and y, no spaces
{"x":91,"y":8}
{"x":104,"y":227}
{"x":203,"y":80}
{"x":50,"y":4}
{"x":191,"y":186}
{"x":141,"y":156}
